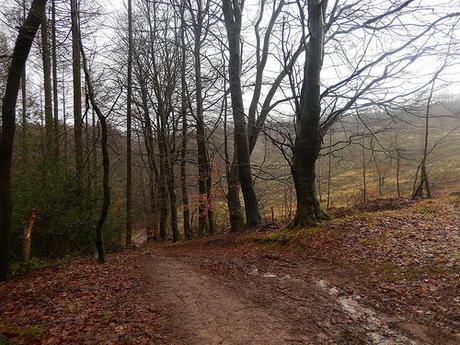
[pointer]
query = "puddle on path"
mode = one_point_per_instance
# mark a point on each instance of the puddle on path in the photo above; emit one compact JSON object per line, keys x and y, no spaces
{"x":377,"y":326}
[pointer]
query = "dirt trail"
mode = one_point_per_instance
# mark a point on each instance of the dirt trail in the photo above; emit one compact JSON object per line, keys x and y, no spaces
{"x":204,"y":311}
{"x":263,"y":308}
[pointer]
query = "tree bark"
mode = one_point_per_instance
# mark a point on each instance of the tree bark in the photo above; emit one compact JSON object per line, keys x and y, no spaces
{"x":21,"y":51}
{"x":101,"y":256}
{"x":398,"y":167}
{"x":424,"y":180}
{"x":233,"y":197}
{"x":64,"y":120}
{"x":129,"y":229}
{"x":150,"y":148}
{"x":46,"y":59}
{"x":232,"y":16}
{"x":233,"y":186}
{"x":76,"y":72}
{"x":329,"y":170}
{"x":163,"y":186}
{"x":55,"y":81}
{"x":363,"y":154}
{"x":173,"y":202}
{"x":24,"y":100}
{"x":27,"y":234}
{"x":183,"y":165}
{"x":201,"y":141}
{"x":308,"y":135}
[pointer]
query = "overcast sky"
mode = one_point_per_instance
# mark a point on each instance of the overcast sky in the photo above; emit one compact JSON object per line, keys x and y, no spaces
{"x":422,"y":68}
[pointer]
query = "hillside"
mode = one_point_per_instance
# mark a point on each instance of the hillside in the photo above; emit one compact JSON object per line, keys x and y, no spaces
{"x":387,"y":273}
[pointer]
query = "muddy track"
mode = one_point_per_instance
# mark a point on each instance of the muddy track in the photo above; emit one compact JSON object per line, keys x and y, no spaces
{"x":264,"y":308}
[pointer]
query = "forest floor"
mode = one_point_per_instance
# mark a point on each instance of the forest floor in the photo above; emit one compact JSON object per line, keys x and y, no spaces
{"x":383,"y":273}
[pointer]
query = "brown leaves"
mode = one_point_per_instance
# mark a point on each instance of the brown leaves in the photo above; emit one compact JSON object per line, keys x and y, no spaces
{"x":84,"y":302}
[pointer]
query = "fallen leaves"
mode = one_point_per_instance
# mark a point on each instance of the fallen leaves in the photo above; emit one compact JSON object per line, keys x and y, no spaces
{"x":401,"y":255}
{"x":84,"y":302}
{"x":404,"y":262}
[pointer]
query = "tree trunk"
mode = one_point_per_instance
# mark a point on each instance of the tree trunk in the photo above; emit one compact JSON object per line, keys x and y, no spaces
{"x":129,"y":229}
{"x":183,"y":174}
{"x":204,"y":168}
{"x":93,"y":139}
{"x":21,"y":51}
{"x":76,"y":72}
{"x":232,"y":16}
{"x":200,"y":132}
{"x":424,"y":181}
{"x":233,"y":197}
{"x":363,"y":154}
{"x":233,"y":187}
{"x":318,"y":179}
{"x":329,"y":170}
{"x":55,"y":81}
{"x":163,"y":185}
{"x":308,"y":137}
{"x":64,"y":120}
{"x":27,"y":234}
{"x":24,"y":117}
{"x":306,"y":152}
{"x":173,"y":202}
{"x":183,"y":164}
{"x":46,"y":59}
{"x":24,"y":100}
{"x":398,"y":167}
{"x":101,"y":257}
{"x":153,"y":169}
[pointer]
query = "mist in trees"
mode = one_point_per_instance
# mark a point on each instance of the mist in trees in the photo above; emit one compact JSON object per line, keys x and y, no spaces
{"x":185,"y":118}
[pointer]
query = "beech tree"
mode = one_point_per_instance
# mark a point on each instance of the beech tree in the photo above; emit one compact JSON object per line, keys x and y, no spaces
{"x":233,"y":21}
{"x":317,"y":108}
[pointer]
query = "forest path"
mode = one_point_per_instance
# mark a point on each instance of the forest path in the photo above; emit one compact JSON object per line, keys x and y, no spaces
{"x":262,"y":308}
{"x":202,"y":310}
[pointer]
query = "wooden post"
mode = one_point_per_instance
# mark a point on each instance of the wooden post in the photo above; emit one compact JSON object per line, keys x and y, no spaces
{"x":27,"y":235}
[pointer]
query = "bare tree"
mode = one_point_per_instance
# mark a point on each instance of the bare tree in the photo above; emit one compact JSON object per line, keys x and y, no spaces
{"x":21,"y":51}
{"x":101,"y":256}
{"x":317,"y":110}
{"x":233,"y":20}
{"x":77,"y":109}
{"x":129,"y":229}
{"x":46,"y":58}
{"x":55,"y":81}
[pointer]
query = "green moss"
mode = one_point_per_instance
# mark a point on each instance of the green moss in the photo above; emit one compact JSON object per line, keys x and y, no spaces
{"x":409,"y":274}
{"x":31,"y":332}
{"x":22,"y":268}
{"x":424,"y":210}
{"x":389,"y":269}
{"x":104,"y":315}
{"x":392,"y":273}
{"x":287,"y":236}
{"x":279,"y":238}
{"x":456,"y":256}
{"x":435,"y":270}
